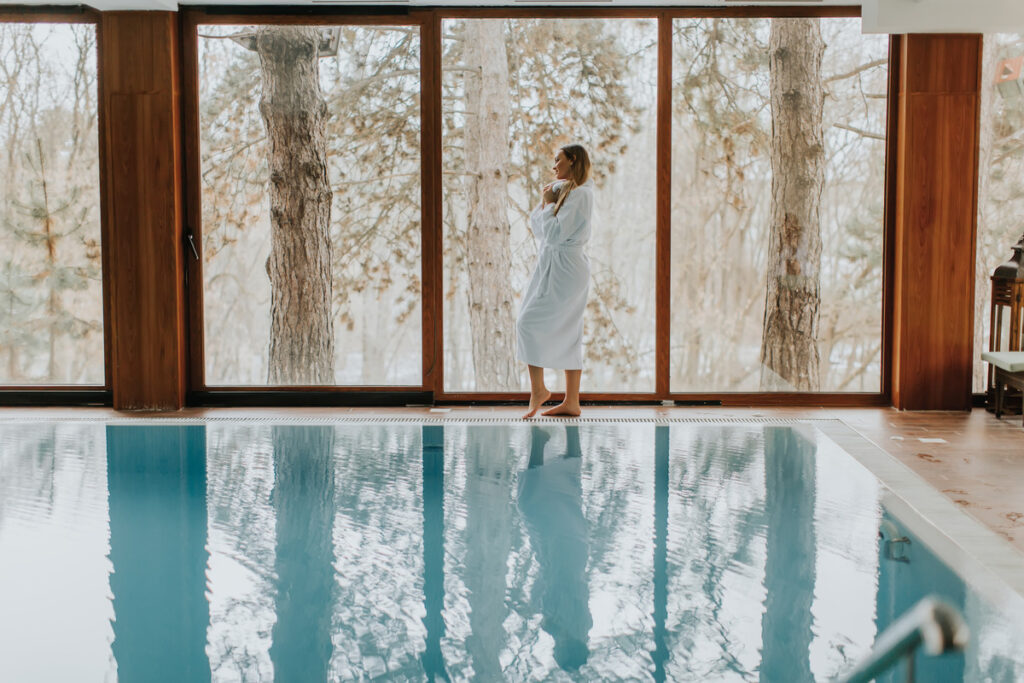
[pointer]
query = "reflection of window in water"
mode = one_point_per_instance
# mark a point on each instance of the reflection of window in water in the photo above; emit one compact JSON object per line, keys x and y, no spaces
{"x":551,"y":505}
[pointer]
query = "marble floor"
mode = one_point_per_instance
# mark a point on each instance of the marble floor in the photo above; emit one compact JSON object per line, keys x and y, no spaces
{"x":974,"y":459}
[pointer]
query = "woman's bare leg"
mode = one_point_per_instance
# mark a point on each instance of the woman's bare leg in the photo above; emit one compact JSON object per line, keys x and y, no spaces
{"x":538,"y":392}
{"x":571,"y":405}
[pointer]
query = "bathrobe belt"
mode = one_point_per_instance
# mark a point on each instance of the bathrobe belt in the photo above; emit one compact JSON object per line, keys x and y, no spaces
{"x":547,"y":252}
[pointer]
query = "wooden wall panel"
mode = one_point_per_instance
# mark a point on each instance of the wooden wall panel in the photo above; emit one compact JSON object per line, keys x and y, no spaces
{"x":936,"y":208}
{"x":941,"y":64}
{"x":141,"y":138}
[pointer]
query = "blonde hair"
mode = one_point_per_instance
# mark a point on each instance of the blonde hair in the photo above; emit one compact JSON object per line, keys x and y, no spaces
{"x":579,"y":171}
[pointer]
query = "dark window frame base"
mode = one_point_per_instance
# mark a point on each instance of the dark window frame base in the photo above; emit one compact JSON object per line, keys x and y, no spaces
{"x":45,"y":397}
{"x":307,"y":399}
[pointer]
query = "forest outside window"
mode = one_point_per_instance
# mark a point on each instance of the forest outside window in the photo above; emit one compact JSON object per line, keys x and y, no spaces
{"x":777,"y":285}
{"x":513,"y":91}
{"x":774,"y":286}
{"x":310,"y":177}
{"x":51,"y":291}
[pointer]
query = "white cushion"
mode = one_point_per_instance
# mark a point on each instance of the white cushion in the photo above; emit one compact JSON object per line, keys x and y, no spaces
{"x":1010,"y":361}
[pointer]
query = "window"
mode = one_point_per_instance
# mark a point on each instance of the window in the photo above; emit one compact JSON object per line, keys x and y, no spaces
{"x":810,"y":251}
{"x":310,"y":162}
{"x":514,"y":91}
{"x":1001,"y":165}
{"x":51,"y":291}
{"x":312,"y":224}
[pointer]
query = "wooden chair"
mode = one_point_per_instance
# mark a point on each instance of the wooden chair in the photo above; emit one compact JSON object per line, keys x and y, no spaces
{"x":1009,"y":372}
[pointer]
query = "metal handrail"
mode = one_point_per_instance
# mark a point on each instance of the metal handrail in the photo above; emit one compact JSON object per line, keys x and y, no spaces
{"x":931,"y":622}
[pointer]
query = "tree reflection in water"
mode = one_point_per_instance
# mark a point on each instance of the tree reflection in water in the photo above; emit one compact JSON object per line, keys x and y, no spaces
{"x":488,"y":500}
{"x":786,"y":634}
{"x":303,"y":500}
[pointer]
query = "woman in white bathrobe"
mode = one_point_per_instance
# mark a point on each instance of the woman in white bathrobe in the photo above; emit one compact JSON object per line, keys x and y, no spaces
{"x":549,"y":332}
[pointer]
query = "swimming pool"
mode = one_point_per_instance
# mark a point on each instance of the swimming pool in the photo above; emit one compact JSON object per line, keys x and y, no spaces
{"x":254,"y":550}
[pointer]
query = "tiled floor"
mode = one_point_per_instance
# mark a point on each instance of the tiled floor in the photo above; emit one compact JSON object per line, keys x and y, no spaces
{"x":976,"y":460}
{"x":979,"y":463}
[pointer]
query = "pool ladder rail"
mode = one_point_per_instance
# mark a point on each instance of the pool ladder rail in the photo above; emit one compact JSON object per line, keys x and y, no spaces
{"x":931,"y":622}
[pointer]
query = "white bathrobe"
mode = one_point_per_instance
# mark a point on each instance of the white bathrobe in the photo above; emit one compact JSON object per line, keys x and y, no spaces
{"x":549,"y":332}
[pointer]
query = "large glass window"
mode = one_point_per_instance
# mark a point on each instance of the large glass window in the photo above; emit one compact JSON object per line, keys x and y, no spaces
{"x":1000,"y":191}
{"x":310,"y":162}
{"x":309,"y":143}
{"x":51,"y":292}
{"x":514,"y":91}
{"x":778,"y":169}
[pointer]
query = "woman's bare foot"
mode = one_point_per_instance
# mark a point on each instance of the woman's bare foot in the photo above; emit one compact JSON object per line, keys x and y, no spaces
{"x":564,"y":408}
{"x":536,"y":401}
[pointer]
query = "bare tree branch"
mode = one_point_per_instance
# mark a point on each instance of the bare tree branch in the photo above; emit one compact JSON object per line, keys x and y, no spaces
{"x":859,"y":69}
{"x":858,"y":131}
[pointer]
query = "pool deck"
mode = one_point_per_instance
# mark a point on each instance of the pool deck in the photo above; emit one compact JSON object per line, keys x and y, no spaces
{"x":975,"y":460}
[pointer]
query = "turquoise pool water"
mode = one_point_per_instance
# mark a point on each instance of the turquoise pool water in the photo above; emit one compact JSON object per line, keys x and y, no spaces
{"x":255,"y":552}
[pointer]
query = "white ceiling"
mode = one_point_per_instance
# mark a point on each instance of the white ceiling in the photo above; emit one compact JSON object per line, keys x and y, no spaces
{"x":943,"y":16}
{"x":879,"y":16}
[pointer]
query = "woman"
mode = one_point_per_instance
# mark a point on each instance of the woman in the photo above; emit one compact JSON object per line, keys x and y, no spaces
{"x":549,"y":332}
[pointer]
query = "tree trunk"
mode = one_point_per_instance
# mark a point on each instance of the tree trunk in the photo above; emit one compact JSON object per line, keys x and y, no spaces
{"x":299,"y":267}
{"x":788,"y":343}
{"x":491,"y":320}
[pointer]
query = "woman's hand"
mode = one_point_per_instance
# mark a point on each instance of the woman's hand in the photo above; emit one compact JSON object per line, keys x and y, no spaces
{"x":549,"y":194}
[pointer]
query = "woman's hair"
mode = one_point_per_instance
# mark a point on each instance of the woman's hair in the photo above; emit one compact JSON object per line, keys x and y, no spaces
{"x":579,"y":171}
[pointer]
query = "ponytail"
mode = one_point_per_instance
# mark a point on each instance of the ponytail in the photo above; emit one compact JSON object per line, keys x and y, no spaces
{"x":569,"y":185}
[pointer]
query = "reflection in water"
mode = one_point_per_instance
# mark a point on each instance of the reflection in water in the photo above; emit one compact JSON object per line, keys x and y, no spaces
{"x":732,"y":553}
{"x":907,"y":573}
{"x":789,"y":567}
{"x":29,"y":473}
{"x":377,"y":627}
{"x":303,"y":500}
{"x":489,"y":518}
{"x":433,"y":551}
{"x":715,"y":553}
{"x":995,"y":652}
{"x":157,"y":498}
{"x":241,"y":538}
{"x":54,"y":546}
{"x":550,"y":502}
{"x":660,"y":654}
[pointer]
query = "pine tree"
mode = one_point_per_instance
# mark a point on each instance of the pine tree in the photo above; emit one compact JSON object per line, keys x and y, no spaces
{"x":294,"y":112}
{"x":49,"y":221}
{"x":789,"y":348}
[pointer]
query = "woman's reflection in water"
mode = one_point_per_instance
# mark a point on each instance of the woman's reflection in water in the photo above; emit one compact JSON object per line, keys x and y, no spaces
{"x":551,"y":505}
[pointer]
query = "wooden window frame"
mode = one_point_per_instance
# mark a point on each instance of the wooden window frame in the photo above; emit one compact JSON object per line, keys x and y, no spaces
{"x":432,"y":288}
{"x":73,"y":394}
